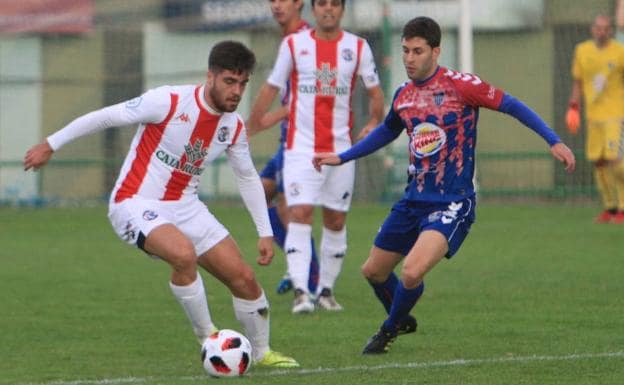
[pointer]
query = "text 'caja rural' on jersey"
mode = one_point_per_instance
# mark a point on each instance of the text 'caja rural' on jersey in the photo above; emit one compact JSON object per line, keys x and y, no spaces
{"x":322,"y":76}
{"x":178,"y":135}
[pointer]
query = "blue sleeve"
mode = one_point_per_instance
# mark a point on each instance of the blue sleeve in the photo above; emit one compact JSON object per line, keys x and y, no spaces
{"x":528,"y":117}
{"x":383,"y":134}
{"x":378,"y":138}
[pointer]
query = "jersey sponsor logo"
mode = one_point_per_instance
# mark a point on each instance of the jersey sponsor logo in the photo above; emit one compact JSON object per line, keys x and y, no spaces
{"x":194,"y":154}
{"x":304,"y":52}
{"x":324,"y":90}
{"x":325,"y":74}
{"x":426,"y":140}
{"x":134,"y":103}
{"x":149,"y":215}
{"x":223,"y":134}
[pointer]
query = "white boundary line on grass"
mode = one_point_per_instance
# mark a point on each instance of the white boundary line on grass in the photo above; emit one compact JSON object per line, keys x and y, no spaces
{"x":359,"y":368}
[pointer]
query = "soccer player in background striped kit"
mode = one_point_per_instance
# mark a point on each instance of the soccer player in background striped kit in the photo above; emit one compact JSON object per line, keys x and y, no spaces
{"x":287,"y":13}
{"x":438,"y":109}
{"x":598,"y":72}
{"x":321,"y":66}
{"x":154,"y":204}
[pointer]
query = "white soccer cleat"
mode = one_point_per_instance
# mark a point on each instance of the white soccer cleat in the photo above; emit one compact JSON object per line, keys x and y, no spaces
{"x":302,"y":303}
{"x":327,"y":301}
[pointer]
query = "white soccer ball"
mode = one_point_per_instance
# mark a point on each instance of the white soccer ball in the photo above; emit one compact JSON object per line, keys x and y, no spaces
{"x":226,"y":353}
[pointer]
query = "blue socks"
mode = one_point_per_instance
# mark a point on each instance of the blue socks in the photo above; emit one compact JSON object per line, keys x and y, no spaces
{"x":403,"y":302}
{"x":279,"y":235}
{"x":385,"y":290}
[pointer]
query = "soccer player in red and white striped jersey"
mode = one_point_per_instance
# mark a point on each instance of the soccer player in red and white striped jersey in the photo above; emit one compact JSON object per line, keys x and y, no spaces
{"x":321,"y":67}
{"x":155,"y":205}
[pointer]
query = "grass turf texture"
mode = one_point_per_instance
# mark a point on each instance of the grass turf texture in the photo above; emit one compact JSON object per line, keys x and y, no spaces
{"x":535,"y":296}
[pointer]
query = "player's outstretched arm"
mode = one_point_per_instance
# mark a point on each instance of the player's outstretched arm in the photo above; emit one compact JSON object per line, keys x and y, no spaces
{"x":562,"y":153}
{"x":325,"y":158}
{"x":37,"y":156}
{"x":265,"y":250}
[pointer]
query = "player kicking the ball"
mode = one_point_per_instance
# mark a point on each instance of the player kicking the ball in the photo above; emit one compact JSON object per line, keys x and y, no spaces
{"x":154,"y":204}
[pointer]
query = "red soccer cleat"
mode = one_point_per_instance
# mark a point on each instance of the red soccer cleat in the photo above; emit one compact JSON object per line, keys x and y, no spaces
{"x":618,"y":218}
{"x":604,"y":217}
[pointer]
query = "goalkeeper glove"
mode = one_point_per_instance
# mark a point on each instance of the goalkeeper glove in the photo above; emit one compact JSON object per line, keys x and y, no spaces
{"x":573,"y":118}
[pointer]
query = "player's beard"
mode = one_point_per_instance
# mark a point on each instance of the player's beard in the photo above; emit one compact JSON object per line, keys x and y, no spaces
{"x":222,"y":104}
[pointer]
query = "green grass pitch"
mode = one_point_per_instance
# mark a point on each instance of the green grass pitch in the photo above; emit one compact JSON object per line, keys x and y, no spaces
{"x":534,"y":296}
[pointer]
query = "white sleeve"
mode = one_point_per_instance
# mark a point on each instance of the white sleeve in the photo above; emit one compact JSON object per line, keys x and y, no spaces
{"x":249,"y":184}
{"x":368,"y":69}
{"x":151,"y":107}
{"x":283,"y":66}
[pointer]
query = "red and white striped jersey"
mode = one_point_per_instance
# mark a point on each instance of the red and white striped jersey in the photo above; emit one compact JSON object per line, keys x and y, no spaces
{"x":321,"y":76}
{"x":178,"y":135}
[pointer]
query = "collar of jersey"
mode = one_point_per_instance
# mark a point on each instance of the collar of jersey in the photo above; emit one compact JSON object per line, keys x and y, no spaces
{"x":313,"y":34}
{"x":201,"y":102}
{"x":423,"y":82}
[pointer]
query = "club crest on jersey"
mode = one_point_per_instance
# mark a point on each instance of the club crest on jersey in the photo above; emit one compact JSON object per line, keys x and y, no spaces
{"x":438,"y":98}
{"x":426,"y":140}
{"x":347,"y":54}
{"x":223,"y":134}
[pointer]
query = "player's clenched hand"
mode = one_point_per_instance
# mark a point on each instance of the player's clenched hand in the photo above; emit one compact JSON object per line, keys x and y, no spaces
{"x":325,"y":158}
{"x":573,"y":118}
{"x":265,"y":248}
{"x":37,"y":156}
{"x":562,"y":153}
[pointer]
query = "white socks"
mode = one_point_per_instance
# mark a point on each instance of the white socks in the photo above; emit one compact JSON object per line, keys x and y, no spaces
{"x":254,"y":316}
{"x":193,"y":301}
{"x":298,"y":254}
{"x":333,"y":249}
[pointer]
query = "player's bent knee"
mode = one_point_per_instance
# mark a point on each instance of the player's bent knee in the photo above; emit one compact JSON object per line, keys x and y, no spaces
{"x":411,"y":278}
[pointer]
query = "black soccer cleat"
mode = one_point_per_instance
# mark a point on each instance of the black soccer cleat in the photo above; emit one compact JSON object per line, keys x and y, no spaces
{"x":408,"y":325}
{"x":380,"y":342}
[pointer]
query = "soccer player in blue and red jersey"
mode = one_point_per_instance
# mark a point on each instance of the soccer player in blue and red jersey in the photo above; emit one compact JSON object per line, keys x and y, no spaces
{"x":438,"y":108}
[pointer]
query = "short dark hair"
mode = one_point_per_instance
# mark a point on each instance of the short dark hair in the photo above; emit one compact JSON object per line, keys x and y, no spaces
{"x":423,"y":27}
{"x":232,"y":56}
{"x":343,"y":3}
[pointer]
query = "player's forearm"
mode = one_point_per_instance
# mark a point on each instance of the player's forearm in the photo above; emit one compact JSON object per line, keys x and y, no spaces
{"x":375,"y":106}
{"x":577,"y":92}
{"x":261,"y":105}
{"x":529,"y":118}
{"x":251,"y":192}
{"x":379,"y":137}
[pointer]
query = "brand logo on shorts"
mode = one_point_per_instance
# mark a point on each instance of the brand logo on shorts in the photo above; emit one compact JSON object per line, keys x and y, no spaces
{"x":451,"y":214}
{"x":149,"y":215}
{"x":129,"y":234}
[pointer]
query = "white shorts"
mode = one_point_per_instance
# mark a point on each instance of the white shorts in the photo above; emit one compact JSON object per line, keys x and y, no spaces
{"x":303,"y":185}
{"x":133,"y":219}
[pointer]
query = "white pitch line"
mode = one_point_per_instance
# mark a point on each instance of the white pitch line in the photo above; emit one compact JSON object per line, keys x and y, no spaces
{"x":359,"y":368}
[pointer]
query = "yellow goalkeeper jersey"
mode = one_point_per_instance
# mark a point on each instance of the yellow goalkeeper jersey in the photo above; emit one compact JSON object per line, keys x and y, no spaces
{"x":601,"y":72}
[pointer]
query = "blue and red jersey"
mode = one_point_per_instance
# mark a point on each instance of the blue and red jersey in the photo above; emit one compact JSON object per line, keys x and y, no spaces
{"x":440,"y":116}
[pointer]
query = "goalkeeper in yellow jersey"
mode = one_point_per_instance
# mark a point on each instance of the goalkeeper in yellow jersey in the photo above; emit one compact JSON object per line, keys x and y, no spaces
{"x":598,"y":72}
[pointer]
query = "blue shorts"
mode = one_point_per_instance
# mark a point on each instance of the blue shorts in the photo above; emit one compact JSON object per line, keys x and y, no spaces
{"x":408,"y":219}
{"x":273,"y":169}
